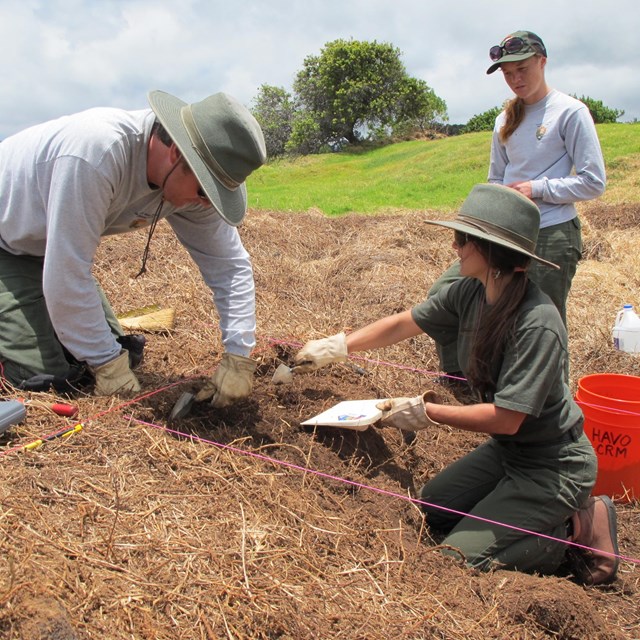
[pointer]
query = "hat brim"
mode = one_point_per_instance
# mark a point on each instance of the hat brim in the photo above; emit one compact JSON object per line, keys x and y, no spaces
{"x":231,"y":205}
{"x":476,"y":233}
{"x":514,"y":57}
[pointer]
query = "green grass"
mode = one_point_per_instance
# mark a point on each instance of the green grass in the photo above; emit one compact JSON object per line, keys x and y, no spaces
{"x":417,"y":175}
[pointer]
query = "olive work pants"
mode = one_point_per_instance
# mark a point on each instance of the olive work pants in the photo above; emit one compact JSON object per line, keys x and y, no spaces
{"x":29,"y":345}
{"x":560,"y":244}
{"x":532,"y":487}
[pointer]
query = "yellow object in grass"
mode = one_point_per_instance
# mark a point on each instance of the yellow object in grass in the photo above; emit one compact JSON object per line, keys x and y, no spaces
{"x":61,"y":434}
{"x":148,"y":319}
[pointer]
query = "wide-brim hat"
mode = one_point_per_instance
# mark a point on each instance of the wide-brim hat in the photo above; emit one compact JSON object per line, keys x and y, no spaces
{"x":532,"y":45}
{"x":221,"y":142}
{"x":500,"y":215}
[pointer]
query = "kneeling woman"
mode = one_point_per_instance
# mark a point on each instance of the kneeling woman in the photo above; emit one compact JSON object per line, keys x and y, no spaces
{"x":536,"y":470}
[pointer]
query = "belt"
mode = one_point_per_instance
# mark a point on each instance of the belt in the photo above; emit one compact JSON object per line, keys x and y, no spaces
{"x":571,"y":435}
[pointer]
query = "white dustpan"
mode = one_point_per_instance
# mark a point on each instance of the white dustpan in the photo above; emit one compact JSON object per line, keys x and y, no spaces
{"x":348,"y":414}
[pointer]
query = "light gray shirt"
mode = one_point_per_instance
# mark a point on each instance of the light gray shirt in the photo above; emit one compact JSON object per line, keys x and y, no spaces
{"x":556,"y":147}
{"x":66,"y":183}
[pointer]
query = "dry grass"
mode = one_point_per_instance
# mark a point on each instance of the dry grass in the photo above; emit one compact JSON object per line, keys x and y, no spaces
{"x":623,"y":180}
{"x":244,"y":524}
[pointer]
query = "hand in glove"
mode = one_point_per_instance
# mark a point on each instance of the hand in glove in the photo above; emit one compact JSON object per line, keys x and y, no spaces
{"x":408,"y":414}
{"x":231,"y":381}
{"x":318,"y":353}
{"x":115,"y":377}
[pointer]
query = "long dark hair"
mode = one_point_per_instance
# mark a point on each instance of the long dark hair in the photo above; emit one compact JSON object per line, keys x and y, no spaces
{"x":496,"y":323}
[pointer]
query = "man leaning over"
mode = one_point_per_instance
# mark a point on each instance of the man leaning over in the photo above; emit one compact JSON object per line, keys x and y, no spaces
{"x":66,"y":183}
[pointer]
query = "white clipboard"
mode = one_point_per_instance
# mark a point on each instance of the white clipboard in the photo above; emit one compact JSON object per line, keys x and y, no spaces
{"x":349,"y":414}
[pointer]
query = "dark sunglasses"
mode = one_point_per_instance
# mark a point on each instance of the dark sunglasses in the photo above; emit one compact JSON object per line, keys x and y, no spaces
{"x":511,"y":46}
{"x":460,"y":238}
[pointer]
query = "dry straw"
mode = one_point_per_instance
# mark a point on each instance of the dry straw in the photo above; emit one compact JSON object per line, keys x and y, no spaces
{"x":127,"y":532}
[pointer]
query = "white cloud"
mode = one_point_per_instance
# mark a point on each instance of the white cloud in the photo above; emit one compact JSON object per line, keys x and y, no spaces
{"x":67,"y":55}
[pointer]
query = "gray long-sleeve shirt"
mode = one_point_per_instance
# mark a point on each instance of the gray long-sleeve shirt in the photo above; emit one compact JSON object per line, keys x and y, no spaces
{"x":66,"y":183}
{"x":556,"y":147}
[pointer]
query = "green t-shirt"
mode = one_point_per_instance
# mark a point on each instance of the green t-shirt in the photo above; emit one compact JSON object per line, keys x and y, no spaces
{"x":530,"y":376}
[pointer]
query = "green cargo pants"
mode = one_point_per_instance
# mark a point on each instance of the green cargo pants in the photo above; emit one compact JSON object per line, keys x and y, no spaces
{"x":560,"y":244}
{"x":28,"y":342}
{"x":532,"y":487}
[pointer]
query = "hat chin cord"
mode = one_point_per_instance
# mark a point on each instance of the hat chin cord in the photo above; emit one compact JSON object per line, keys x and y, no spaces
{"x":155,"y":218}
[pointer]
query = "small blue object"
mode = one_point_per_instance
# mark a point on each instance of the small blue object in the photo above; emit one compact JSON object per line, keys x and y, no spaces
{"x":11,"y":412}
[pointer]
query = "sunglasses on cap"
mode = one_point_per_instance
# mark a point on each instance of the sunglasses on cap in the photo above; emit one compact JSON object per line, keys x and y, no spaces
{"x":515,"y":45}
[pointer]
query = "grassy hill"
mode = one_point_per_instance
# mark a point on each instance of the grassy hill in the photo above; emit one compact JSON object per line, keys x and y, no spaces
{"x":421,"y":174}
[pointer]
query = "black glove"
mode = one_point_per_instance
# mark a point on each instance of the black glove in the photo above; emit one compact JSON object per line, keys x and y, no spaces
{"x":134,"y":344}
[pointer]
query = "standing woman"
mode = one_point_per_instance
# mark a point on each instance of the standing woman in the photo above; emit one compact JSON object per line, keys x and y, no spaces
{"x":536,"y":469}
{"x":544,"y":146}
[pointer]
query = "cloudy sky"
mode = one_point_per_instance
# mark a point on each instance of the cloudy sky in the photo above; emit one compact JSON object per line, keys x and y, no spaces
{"x":62,"y":56}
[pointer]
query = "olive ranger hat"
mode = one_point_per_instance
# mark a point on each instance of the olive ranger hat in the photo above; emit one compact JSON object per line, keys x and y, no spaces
{"x":500,"y":215}
{"x":221,"y":142}
{"x":515,"y":47}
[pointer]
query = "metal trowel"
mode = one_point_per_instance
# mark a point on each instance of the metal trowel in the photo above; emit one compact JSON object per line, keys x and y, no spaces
{"x":182,"y":407}
{"x":283,"y":375}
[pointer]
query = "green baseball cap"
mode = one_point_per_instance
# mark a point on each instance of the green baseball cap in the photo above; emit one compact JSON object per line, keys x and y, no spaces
{"x":517,"y":46}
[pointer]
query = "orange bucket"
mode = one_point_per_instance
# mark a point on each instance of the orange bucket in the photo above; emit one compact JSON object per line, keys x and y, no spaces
{"x":611,"y":391}
{"x":611,"y":407}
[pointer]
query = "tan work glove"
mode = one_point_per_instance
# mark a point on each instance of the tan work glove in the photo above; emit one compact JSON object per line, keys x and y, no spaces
{"x":231,"y":381}
{"x":115,"y":377}
{"x":408,"y":414}
{"x":318,"y":353}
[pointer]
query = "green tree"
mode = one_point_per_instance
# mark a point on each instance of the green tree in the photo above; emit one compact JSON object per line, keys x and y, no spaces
{"x":418,"y":106}
{"x":305,"y":136}
{"x":357,"y":89}
{"x":482,"y":121}
{"x":274,"y":109}
{"x":599,"y":112}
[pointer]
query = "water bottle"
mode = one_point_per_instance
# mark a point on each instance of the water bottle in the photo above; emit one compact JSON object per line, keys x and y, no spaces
{"x":626,"y":331}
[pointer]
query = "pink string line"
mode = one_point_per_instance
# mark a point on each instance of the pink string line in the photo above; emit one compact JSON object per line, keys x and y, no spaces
{"x":372,"y":360}
{"x":444,"y":375}
{"x":313,"y":471}
{"x":359,"y":485}
{"x":122,"y":405}
{"x":605,"y":408}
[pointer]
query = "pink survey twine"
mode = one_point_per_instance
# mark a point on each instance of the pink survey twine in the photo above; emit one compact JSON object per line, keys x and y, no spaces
{"x":315,"y":472}
{"x":359,"y":485}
